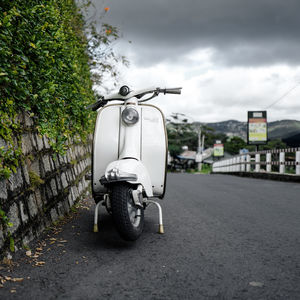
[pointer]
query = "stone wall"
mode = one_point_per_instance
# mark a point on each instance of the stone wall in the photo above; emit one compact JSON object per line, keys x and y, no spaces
{"x":45,"y":186}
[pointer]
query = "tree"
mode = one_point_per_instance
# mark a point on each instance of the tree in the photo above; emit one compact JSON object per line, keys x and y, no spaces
{"x":274,"y":144}
{"x":234,"y":144}
{"x":103,"y":61}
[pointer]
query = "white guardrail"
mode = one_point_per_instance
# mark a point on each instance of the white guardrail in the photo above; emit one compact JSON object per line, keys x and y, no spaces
{"x":280,"y":161}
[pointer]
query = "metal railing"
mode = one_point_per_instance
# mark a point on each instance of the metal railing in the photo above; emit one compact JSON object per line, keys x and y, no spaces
{"x":280,"y":161}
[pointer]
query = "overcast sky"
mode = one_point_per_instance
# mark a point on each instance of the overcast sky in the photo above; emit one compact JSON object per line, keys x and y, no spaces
{"x":230,"y":56}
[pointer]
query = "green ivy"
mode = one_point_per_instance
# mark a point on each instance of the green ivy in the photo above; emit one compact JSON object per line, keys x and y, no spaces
{"x":46,"y":54}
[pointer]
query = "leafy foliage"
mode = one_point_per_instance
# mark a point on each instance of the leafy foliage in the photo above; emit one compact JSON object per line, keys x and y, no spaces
{"x":46,"y":51}
{"x":234,"y":144}
{"x":179,"y":135}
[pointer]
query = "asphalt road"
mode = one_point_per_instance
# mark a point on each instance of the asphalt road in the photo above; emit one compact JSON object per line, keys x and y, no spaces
{"x":225,"y":238}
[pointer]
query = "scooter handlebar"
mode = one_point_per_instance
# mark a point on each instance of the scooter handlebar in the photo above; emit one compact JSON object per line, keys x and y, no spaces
{"x":139,"y":94}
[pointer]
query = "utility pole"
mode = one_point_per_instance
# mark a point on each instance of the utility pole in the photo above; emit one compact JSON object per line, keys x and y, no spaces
{"x":200,"y":149}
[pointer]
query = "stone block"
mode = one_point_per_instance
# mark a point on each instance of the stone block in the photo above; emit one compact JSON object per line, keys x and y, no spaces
{"x":84,"y":162}
{"x":24,"y":215}
{"x":35,"y":167}
{"x":88,"y":159}
{"x":64,"y":180}
{"x":56,"y":162}
{"x":53,"y":214}
{"x":75,"y":191}
{"x":66,"y":159}
{"x":81,"y":151}
{"x":14,"y":218}
{"x":25,"y":173}
{"x":34,"y":142}
{"x":26,"y":144}
{"x":53,"y":187}
{"x":52,"y":163}
{"x":58,"y":182}
{"x":71,"y":202}
{"x":80,"y":188}
{"x":3,"y":190}
{"x":77,"y":151}
{"x":77,"y":170}
{"x":32,"y":207}
{"x":46,"y":142}
{"x":39,"y":140}
{"x":38,"y":199}
{"x":73,"y":173}
{"x":61,"y":159}
{"x":15,"y":181}
{"x":72,"y":197}
{"x":46,"y":163}
{"x":70,"y":175}
{"x":69,"y":157}
{"x":67,"y":176}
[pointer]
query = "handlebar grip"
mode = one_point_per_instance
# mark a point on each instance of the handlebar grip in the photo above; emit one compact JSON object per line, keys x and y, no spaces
{"x":176,"y":91}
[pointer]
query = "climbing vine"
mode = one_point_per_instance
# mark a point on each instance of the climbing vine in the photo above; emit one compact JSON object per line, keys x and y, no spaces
{"x":46,"y":54}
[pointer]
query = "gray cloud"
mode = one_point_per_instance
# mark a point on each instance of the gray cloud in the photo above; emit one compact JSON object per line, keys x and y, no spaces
{"x":249,"y":32}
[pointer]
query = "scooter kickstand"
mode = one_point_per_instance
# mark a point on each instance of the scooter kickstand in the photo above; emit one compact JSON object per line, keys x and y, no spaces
{"x":96,"y":216}
{"x":161,"y":226}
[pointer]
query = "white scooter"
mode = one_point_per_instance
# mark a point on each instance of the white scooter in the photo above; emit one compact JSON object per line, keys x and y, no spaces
{"x":129,"y":159}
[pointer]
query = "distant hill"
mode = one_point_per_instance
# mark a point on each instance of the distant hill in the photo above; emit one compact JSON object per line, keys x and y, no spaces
{"x":278,"y":129}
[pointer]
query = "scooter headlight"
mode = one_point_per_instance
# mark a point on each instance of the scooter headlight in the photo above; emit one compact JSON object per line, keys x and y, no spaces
{"x":130,"y":116}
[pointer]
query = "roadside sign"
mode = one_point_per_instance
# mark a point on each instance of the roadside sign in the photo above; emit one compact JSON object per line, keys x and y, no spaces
{"x":257,"y":133}
{"x":244,"y":151}
{"x":218,"y":150}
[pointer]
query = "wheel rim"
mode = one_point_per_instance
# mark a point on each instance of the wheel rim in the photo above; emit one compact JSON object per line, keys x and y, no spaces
{"x":134,"y":213}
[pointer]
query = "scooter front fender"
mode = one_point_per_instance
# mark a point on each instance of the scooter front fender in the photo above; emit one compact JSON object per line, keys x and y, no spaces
{"x":130,"y":170}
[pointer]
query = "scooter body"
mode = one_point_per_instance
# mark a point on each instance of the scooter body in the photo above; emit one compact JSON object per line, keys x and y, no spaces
{"x":129,"y":158}
{"x":139,"y":149}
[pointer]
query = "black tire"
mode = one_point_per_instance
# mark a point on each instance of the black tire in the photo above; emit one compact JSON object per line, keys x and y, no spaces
{"x":128,"y":218}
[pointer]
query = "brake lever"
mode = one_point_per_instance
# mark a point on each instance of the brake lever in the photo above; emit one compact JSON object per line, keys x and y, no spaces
{"x":97,"y":105}
{"x":155,"y":94}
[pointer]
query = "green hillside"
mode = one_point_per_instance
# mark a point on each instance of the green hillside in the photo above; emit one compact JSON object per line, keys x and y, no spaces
{"x":276,"y":130}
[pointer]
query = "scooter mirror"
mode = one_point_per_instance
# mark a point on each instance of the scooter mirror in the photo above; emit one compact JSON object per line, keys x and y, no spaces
{"x":124,"y":90}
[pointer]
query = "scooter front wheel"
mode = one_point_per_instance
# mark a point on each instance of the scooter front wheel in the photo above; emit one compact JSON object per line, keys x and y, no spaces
{"x":127,"y":216}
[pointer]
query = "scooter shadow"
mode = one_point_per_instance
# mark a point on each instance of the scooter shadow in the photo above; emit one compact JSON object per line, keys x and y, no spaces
{"x":108,"y":238}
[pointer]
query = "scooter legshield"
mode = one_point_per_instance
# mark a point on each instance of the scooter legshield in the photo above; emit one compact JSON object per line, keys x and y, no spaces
{"x":131,"y":171}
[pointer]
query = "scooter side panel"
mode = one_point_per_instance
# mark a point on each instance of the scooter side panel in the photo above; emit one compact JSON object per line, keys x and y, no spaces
{"x":106,"y":143}
{"x":154,"y":146}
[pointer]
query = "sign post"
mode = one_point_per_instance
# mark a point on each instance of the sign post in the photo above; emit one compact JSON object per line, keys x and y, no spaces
{"x":218,"y":149}
{"x":257,"y":133}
